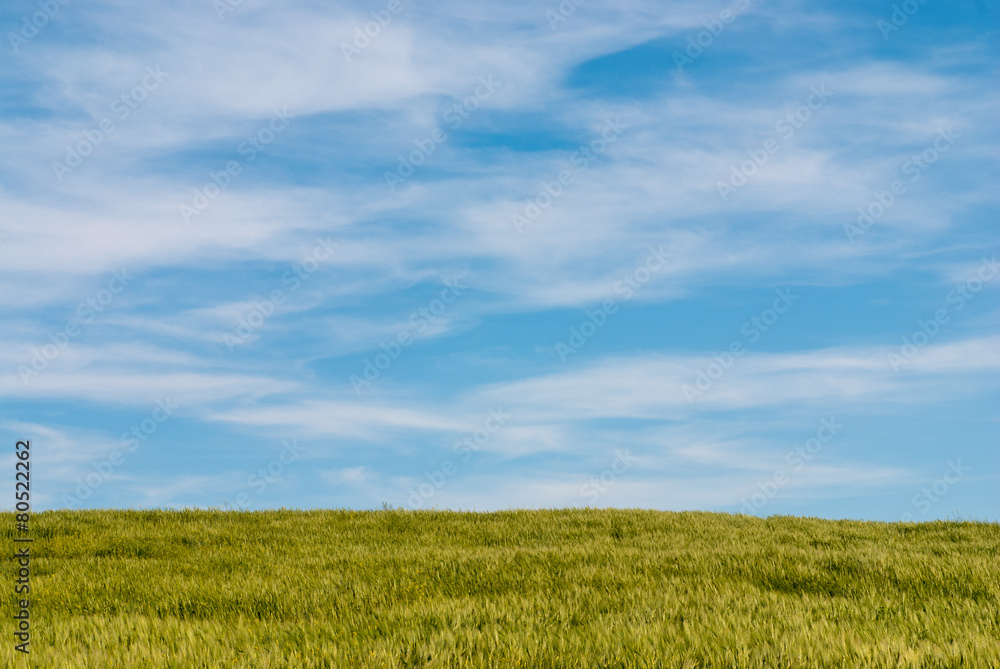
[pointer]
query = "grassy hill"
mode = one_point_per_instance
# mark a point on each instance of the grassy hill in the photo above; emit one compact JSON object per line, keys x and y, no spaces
{"x":558,"y":588}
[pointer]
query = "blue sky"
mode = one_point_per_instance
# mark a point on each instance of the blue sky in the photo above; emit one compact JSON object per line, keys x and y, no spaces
{"x":725,"y":256}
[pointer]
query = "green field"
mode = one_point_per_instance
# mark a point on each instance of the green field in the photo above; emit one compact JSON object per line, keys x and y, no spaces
{"x":560,"y":588}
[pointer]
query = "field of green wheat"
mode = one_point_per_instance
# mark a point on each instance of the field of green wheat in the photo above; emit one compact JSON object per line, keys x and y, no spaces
{"x":552,"y":588}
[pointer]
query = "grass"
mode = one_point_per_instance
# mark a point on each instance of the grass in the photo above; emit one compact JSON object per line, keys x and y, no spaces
{"x":556,"y":588}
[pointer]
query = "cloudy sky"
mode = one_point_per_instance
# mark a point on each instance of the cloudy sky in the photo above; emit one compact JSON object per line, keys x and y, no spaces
{"x":734,"y":256}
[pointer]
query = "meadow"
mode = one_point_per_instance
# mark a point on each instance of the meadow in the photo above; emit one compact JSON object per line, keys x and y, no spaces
{"x":549,"y":588}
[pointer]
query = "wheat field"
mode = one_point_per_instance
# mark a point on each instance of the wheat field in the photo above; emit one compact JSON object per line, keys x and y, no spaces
{"x":549,"y":588}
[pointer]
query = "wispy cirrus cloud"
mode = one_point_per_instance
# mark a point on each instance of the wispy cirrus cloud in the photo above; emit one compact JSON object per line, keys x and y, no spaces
{"x":682,"y":131}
